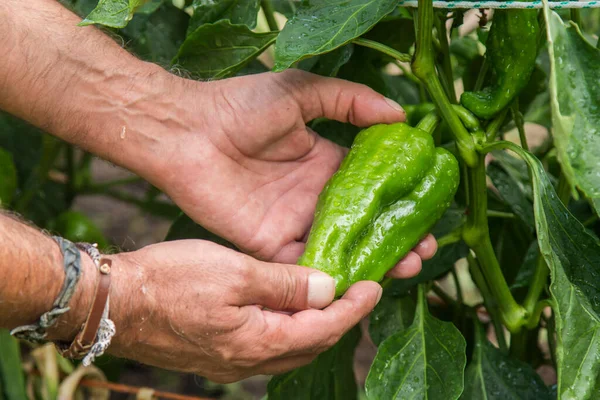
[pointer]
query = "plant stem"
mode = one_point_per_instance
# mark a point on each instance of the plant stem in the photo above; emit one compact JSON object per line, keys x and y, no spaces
{"x":446,"y":62}
{"x":534,"y":319}
{"x":576,"y":17}
{"x":406,"y":72}
{"x":485,"y":65}
{"x":491,"y":130}
{"x":536,"y":287}
{"x":423,"y":67}
{"x":450,"y":238}
{"x":563,"y":189}
{"x":476,"y":236}
{"x":459,"y":294}
{"x":51,"y":148}
{"x":382,"y":48}
{"x":499,"y":214}
{"x":429,"y":122}
{"x":444,"y":296}
{"x":488,"y":300}
{"x":590,"y":220}
{"x":72,"y":174}
{"x":269,"y":11}
{"x":518,"y":118}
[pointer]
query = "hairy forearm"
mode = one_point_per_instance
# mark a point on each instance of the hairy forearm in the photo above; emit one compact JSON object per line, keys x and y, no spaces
{"x":78,"y":84}
{"x":31,"y":275}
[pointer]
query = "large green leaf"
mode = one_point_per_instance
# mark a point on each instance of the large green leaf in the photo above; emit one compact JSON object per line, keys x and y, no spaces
{"x":392,"y":314}
{"x":8,"y":178}
{"x":156,"y":36}
{"x":12,"y":381}
{"x":221,"y":49}
{"x":320,"y":26}
{"x":243,"y":12}
{"x":509,"y":175}
{"x":330,"y":376}
{"x":573,"y":256}
{"x":493,"y":375}
{"x":575,"y":100}
{"x":425,"y":361}
{"x":113,"y":13}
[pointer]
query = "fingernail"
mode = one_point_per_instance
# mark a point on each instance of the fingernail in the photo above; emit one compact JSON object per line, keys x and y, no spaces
{"x":394,"y":105}
{"x":379,"y":295}
{"x":321,"y":290}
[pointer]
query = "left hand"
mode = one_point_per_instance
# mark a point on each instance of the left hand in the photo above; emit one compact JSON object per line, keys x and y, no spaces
{"x":250,"y":170}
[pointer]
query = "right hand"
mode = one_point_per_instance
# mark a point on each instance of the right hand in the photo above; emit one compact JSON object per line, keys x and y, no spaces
{"x":194,"y":306}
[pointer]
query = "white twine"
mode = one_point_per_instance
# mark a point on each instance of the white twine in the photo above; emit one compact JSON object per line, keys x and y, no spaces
{"x":505,"y":4}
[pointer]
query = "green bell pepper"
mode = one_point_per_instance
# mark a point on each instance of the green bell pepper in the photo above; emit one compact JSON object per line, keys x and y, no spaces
{"x":511,"y":54}
{"x":388,"y":193}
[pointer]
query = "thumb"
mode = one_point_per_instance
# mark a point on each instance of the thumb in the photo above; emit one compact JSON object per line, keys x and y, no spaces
{"x":285,"y":287}
{"x":343,"y":101}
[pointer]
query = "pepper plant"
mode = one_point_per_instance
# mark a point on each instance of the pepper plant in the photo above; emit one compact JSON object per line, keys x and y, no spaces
{"x":522,"y":227}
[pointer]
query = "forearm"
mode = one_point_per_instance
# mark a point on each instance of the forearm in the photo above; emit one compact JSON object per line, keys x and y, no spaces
{"x":31,"y":275}
{"x":78,"y":84}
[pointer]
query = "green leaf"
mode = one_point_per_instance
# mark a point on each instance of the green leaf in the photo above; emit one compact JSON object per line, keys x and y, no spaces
{"x":24,"y":141}
{"x":157,"y":36}
{"x":573,"y":256}
{"x":112,"y":13}
{"x":8,"y":178}
{"x":320,"y":26}
{"x":12,"y":381}
{"x":392,"y":315}
{"x":219,"y":50}
{"x":509,"y":175}
{"x":425,"y":361}
{"x":330,"y":376}
{"x":575,"y":100}
{"x":238,"y":12}
{"x":527,"y":269}
{"x":492,"y":375}
{"x":330,"y":63}
{"x":185,"y":228}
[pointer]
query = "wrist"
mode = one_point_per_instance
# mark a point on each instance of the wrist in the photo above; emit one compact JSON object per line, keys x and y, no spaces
{"x":69,"y":324}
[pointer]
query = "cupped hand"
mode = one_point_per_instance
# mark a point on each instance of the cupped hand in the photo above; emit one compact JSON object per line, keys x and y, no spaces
{"x":198,"y":307}
{"x":250,"y":170}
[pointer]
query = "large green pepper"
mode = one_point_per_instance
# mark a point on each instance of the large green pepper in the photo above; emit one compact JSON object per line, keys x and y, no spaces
{"x":388,"y":193}
{"x":511,"y":53}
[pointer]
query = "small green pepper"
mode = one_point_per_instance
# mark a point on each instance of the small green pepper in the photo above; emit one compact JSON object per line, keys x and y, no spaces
{"x":511,"y":54}
{"x":388,"y":193}
{"x":76,"y":227}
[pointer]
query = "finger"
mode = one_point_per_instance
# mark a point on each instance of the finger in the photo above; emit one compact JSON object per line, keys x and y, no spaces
{"x":286,"y":287}
{"x":408,"y":267}
{"x":341,"y":100}
{"x":310,"y":331}
{"x":280,"y":366}
{"x":426,"y":248}
{"x":290,"y":253}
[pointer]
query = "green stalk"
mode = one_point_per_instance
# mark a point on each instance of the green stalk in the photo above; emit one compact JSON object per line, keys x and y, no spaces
{"x":485,"y":66}
{"x":382,"y":48}
{"x":269,"y":11}
{"x":499,"y":214}
{"x":446,"y":62}
{"x":423,"y":67}
{"x":488,"y":300}
{"x":476,"y":236}
{"x":518,"y":118}
{"x":429,"y":122}
{"x":576,"y":17}
{"x":491,"y":130}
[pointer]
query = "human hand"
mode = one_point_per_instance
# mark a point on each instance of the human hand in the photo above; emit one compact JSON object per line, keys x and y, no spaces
{"x":198,"y":307}
{"x":253,"y":173}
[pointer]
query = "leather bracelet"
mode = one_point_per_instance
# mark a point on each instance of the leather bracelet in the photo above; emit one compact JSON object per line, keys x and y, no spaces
{"x":85,"y":339}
